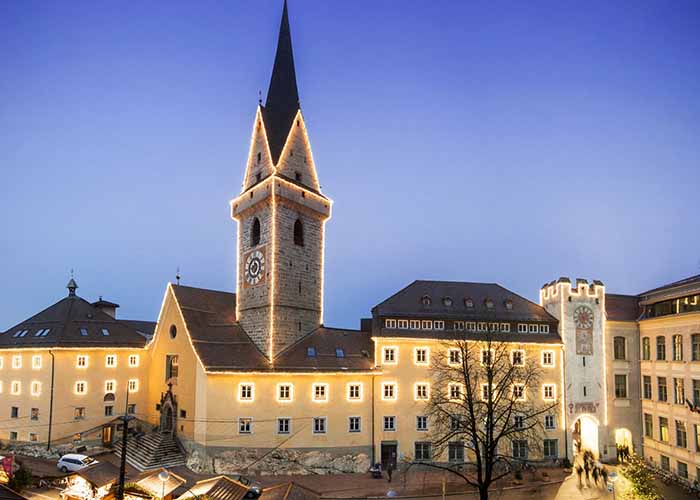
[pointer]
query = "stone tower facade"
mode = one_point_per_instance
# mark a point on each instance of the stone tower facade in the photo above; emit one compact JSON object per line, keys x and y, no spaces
{"x":580,"y":309}
{"x":281,"y":214}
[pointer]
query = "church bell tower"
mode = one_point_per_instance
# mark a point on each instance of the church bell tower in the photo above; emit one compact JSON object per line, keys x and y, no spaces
{"x":281,"y":214}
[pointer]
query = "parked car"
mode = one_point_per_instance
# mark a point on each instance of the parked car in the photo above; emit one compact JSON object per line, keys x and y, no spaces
{"x":74,"y":462}
{"x":254,"y":488}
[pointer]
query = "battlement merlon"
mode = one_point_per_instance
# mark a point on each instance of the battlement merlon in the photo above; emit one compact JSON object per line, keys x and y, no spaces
{"x":562,"y":289}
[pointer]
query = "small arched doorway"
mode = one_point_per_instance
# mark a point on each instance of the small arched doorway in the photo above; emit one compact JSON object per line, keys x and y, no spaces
{"x":585,"y":435}
{"x":623,"y":437}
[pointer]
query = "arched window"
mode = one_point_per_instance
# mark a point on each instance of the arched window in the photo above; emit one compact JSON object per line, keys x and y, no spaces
{"x":255,"y":233}
{"x":299,"y":233}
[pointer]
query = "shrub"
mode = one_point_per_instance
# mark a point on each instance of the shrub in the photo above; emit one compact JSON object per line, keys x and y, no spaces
{"x":21,"y":479}
{"x":641,"y":480}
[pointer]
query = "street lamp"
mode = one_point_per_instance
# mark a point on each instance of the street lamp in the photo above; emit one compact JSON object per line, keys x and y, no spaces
{"x":613,"y":478}
{"x":163,"y":475}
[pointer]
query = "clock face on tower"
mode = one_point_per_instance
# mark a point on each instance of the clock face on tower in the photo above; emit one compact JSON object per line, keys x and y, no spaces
{"x":583,"y":317}
{"x":254,"y":267}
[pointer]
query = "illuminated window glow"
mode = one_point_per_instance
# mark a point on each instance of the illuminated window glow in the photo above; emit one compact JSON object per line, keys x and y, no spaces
{"x":519,"y":392}
{"x":454,"y":357}
{"x":81,"y":387}
{"x":422,"y":391}
{"x":36,"y":388}
{"x":111,"y":360}
{"x":518,"y":357}
{"x":81,"y":361}
{"x":16,"y":388}
{"x":354,"y":391}
{"x":133,"y":385}
{"x":133,"y":360}
{"x":421,"y":355}
{"x":16,"y":362}
{"x":390,"y":355}
{"x":549,"y":391}
{"x":319,"y":393}
{"x":36,"y":362}
{"x":548,"y":359}
{"x":110,"y":385}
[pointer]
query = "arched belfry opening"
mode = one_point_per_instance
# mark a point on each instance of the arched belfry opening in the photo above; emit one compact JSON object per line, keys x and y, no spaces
{"x":299,"y":233}
{"x":255,"y":233}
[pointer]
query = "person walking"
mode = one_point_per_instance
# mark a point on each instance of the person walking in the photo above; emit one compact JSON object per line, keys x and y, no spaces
{"x":389,"y":471}
{"x":579,"y":471}
{"x":595,"y":473}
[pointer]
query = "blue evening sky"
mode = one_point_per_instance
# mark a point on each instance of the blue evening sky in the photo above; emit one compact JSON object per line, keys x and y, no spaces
{"x":500,"y":141}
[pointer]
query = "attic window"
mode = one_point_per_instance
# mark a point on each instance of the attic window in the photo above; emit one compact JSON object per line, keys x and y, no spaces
{"x":311,"y":352}
{"x":21,"y":333}
{"x":339,"y":353}
{"x":469,"y":303}
{"x":489,"y":303}
{"x":43,"y":332}
{"x":447,"y":301}
{"x":105,"y":332}
{"x":509,"y":304}
{"x":84,"y":332}
{"x":425,"y":300}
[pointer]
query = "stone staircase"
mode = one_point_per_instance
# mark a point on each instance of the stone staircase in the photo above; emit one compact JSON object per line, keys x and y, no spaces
{"x":152,"y":450}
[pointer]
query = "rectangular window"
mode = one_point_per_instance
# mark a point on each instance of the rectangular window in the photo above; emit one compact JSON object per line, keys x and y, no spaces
{"x":646,"y":349}
{"x":84,"y":332}
{"x":423,"y":451}
{"x":646,"y":387}
{"x":696,"y":395}
{"x":470,"y":326}
{"x":16,"y":362}
{"x":439,"y":325}
{"x":518,"y":357}
{"x":518,"y":392}
{"x":505,"y":327}
{"x":422,"y":391}
{"x":319,"y":425}
{"x":284,"y":392}
{"x":493,"y":327}
{"x":131,"y":408}
{"x":33,"y":437}
{"x":550,"y":422}
{"x":105,"y":332}
{"x":518,"y":422}
{"x":390,"y":323}
{"x":454,"y":357}
{"x":36,"y":362}
{"x":549,"y":391}
{"x":482,"y":327}
{"x":421,"y":355}
{"x":455,"y":452}
{"x":648,"y":426}
{"x":388,"y":391}
{"x":454,"y":391}
{"x":621,"y":386}
{"x":426,"y":324}
{"x":13,"y":436}
{"x":458,"y":325}
{"x":111,"y":360}
{"x":697,"y":439}
{"x":679,"y":391}
{"x":79,"y":413}
{"x":16,"y":387}
{"x":661,"y":348}
{"x":133,"y":385}
{"x":681,"y":434}
{"x":522,"y":328}
{"x":533,"y":328}
{"x":110,"y":386}
{"x":415,"y":324}
{"x":402,"y":324}
{"x":81,"y":361}
{"x":682,"y":469}
{"x":283,"y":426}
{"x":694,"y":350}
{"x":422,"y":423}
{"x":172,"y":368}
{"x":677,"y":348}
{"x":109,"y":411}
{"x":548,"y":358}
{"x":354,"y":424}
{"x":486,"y":357}
{"x":81,"y":387}
{"x":354,"y":392}
{"x":519,"y":449}
{"x":246,"y":392}
{"x":320,"y":393}
{"x":551,"y":448}
{"x":389,"y":355}
{"x":663,"y":429}
{"x":389,"y":423}
{"x":245,"y":425}
{"x":485,"y":392}
{"x":544,"y":328}
{"x":133,"y":360}
{"x":619,"y":348}
{"x":661,"y":389}
{"x":14,"y":412}
{"x":35,"y":414}
{"x":665,"y":462}
{"x":35,"y":388}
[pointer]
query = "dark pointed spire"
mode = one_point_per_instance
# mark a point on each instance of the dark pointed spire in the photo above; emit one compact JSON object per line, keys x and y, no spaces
{"x":72,"y":286}
{"x":282,"y":101}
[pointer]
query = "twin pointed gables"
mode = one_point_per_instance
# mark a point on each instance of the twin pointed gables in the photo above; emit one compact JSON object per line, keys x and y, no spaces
{"x":296,"y":159}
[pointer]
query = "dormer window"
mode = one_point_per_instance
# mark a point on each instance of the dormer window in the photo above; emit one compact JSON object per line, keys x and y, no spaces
{"x":311,"y":352}
{"x":339,"y":353}
{"x":447,"y":301}
{"x":509,"y":304}
{"x":425,"y":300}
{"x":488,"y":303}
{"x":469,"y":303}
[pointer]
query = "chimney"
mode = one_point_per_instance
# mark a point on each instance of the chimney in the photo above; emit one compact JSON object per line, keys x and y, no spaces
{"x":107,"y":307}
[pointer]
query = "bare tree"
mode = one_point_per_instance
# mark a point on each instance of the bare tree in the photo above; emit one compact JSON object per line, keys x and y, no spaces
{"x":489,"y":400}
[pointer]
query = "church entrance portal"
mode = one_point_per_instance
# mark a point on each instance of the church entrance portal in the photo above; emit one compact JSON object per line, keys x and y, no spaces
{"x":585,"y":435}
{"x":623,"y":437}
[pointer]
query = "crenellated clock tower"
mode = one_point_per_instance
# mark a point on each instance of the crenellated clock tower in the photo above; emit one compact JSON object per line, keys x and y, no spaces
{"x":281,"y":214}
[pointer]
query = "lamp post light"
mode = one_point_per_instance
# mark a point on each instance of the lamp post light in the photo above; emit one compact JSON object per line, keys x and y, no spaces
{"x":163,"y":475}
{"x":613,"y":478}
